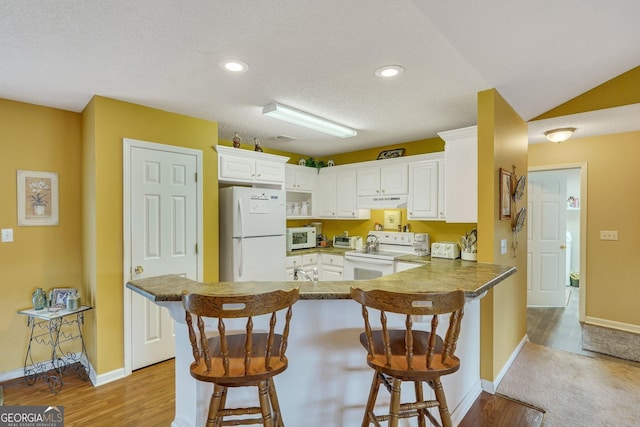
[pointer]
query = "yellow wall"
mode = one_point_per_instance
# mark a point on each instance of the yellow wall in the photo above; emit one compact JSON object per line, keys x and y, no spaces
{"x":612,"y":280}
{"x":41,"y":139}
{"x":502,"y":143}
{"x":107,"y":122}
{"x":621,"y":90}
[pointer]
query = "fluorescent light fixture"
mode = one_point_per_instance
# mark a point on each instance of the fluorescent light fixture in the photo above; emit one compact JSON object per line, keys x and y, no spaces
{"x":559,"y":135}
{"x":234,"y":65}
{"x":389,"y":71}
{"x":307,"y":120}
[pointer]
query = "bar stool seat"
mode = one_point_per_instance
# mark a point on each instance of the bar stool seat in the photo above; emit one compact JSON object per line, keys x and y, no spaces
{"x":409,"y":354}
{"x":237,"y":359}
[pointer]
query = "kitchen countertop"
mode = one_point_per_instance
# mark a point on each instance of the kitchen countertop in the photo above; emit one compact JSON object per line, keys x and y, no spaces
{"x":437,"y":275}
{"x":319,"y":249}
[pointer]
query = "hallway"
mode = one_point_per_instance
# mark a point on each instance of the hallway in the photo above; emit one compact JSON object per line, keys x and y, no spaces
{"x":559,"y":328}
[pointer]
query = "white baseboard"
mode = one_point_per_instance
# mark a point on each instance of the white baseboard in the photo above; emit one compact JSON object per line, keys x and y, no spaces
{"x":19,"y":372}
{"x":626,"y":327}
{"x":492,"y":386}
{"x":103,"y":379}
{"x":11,"y":375}
{"x":463,"y":407}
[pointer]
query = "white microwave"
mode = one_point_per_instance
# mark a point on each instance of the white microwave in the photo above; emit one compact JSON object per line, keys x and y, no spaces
{"x":301,"y":238}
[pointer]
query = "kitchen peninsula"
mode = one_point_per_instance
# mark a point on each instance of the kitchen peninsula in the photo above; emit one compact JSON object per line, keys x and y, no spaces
{"x":327,"y":381}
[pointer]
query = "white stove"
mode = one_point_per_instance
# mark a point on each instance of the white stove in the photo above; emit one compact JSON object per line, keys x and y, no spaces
{"x":391,"y":244}
{"x":364,"y":265}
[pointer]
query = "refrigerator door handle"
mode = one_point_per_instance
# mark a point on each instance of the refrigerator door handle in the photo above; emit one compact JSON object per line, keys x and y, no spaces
{"x":240,"y":218}
{"x":241,"y":263}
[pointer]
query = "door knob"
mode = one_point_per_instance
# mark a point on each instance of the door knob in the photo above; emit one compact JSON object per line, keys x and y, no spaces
{"x":138,"y":269}
{"x":563,"y":246}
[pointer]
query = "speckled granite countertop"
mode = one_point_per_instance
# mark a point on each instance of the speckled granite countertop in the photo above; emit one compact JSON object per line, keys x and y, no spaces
{"x":437,"y":275}
{"x":325,"y":250}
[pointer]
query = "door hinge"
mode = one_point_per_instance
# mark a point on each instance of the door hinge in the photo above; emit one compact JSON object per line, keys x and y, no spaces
{"x":196,"y":248}
{"x":196,"y":176}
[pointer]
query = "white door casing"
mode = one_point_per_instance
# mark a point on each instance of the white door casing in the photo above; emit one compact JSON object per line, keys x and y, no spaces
{"x":163,"y":226}
{"x":546,"y":235}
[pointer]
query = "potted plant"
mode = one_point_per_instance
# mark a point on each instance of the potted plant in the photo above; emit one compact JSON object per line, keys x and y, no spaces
{"x":469,"y":246}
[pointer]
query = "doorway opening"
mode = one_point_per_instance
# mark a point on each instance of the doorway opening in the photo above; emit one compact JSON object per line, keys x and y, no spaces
{"x":560,"y":326}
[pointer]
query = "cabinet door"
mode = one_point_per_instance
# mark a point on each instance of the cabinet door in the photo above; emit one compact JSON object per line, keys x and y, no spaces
{"x":232,"y":167}
{"x":346,"y":201}
{"x":269,"y":171}
{"x":442,"y":194}
{"x":423,"y":194}
{"x":331,"y":273}
{"x":368,"y":182}
{"x":394,"y":180}
{"x":327,"y":195}
{"x":305,"y":180}
{"x":461,"y":159}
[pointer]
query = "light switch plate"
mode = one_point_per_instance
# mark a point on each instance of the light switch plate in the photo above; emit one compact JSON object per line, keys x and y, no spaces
{"x":608,"y":235}
{"x":7,"y":234}
{"x":503,"y":246}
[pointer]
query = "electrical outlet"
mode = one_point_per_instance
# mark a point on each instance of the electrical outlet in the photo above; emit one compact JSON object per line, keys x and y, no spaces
{"x":7,"y":234}
{"x":608,"y":235}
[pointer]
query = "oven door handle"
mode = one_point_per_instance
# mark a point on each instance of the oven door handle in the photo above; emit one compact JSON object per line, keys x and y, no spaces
{"x":369,"y":260}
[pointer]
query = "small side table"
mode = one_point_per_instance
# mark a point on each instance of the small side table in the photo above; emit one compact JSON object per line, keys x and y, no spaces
{"x":47,"y":329}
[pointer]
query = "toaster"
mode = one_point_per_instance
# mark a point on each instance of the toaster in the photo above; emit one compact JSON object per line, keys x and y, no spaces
{"x":449,"y":250}
{"x":353,"y":242}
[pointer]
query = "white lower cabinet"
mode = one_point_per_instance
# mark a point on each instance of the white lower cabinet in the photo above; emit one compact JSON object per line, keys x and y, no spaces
{"x":332,"y":267}
{"x":293,"y":261}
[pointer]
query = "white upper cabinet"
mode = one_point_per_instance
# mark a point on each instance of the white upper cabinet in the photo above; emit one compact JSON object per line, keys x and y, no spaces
{"x":423,"y":190}
{"x":249,"y":167}
{"x":300,"y":178}
{"x":461,"y":174}
{"x":383,"y":181}
{"x":337,"y":189}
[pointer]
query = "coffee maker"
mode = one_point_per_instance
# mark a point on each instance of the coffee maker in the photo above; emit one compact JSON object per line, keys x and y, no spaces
{"x":421,"y":244}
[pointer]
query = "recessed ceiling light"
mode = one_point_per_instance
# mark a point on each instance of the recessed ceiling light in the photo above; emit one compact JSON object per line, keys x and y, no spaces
{"x":234,"y":65}
{"x":389,"y":71}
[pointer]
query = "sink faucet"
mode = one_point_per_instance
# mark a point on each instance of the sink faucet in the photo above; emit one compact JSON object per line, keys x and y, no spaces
{"x":313,"y":278}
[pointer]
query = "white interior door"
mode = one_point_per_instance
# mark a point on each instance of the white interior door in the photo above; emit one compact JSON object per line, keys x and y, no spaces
{"x":163,"y":236}
{"x":546,"y":234}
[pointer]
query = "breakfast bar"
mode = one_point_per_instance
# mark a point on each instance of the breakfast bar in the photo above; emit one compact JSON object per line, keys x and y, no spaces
{"x":324,"y":335}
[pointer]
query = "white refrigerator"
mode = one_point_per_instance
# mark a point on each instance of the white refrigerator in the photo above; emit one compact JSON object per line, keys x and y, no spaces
{"x":252,"y":234}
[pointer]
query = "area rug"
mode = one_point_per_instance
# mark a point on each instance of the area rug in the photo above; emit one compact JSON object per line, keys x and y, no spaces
{"x":574,"y":390}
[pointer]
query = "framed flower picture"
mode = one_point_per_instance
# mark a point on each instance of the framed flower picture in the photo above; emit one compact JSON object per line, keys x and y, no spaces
{"x":505,"y":194}
{"x":37,"y":198}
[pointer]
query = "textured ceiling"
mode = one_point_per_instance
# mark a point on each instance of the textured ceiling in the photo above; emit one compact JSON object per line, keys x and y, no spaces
{"x":317,"y":56}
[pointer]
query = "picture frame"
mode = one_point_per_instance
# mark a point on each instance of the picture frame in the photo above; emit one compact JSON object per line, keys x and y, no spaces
{"x":505,"y":194}
{"x":60,"y":296}
{"x":390,"y":154}
{"x":37,"y":198}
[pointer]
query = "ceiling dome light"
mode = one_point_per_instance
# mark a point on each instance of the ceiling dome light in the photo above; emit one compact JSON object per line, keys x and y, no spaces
{"x":560,"y":134}
{"x":234,"y":65}
{"x":389,"y":71}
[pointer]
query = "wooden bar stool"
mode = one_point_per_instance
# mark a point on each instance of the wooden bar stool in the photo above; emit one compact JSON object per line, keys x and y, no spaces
{"x":240,"y":359}
{"x":409,"y":354}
